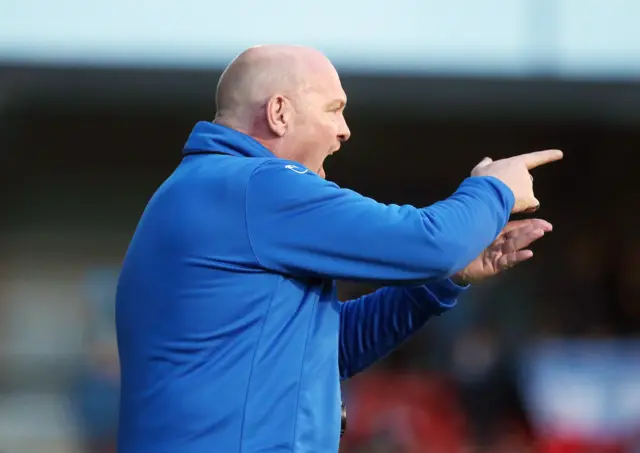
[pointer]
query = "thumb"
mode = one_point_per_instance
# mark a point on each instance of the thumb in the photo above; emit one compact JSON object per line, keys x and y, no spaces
{"x":483,"y":163}
{"x":535,"y":205}
{"x":526,"y":206}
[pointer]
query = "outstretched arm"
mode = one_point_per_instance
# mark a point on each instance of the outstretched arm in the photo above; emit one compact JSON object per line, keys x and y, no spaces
{"x":301,"y":225}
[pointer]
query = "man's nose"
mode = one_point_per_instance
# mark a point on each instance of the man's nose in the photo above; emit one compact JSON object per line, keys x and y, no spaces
{"x":345,"y":133}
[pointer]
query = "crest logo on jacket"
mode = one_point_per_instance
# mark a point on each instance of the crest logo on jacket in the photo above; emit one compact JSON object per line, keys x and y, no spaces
{"x":297,"y":169}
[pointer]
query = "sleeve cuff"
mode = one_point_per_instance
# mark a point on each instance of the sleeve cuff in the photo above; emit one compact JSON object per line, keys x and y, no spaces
{"x":439,"y":296}
{"x":452,"y":288}
{"x":504,"y":190}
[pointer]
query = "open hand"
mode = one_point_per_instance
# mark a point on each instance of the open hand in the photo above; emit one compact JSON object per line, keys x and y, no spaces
{"x":509,"y":249}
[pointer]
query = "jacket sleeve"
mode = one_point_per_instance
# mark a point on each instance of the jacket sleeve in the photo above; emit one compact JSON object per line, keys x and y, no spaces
{"x":302,"y":225}
{"x":374,"y":325}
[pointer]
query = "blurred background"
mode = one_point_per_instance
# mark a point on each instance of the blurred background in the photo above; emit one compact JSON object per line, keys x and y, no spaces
{"x":97,"y":99}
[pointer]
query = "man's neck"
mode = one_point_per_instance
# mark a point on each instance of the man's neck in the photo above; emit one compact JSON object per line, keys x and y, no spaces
{"x":252,"y":132}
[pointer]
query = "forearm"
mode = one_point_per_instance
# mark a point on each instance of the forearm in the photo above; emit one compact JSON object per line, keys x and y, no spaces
{"x":374,"y":325}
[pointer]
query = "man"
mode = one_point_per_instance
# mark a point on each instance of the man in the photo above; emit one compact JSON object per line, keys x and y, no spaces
{"x":231,"y":337}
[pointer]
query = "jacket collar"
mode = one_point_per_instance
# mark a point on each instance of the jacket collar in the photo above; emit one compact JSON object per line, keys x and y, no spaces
{"x":207,"y":137}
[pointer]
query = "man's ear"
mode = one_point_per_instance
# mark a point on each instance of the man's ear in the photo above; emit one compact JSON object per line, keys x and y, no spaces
{"x":278,"y":112}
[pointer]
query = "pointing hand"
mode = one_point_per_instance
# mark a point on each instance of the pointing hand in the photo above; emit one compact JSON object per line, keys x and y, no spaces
{"x":514,"y":172}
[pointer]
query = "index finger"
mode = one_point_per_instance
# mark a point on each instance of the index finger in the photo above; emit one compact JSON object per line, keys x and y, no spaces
{"x":535,"y":159}
{"x":533,"y":223}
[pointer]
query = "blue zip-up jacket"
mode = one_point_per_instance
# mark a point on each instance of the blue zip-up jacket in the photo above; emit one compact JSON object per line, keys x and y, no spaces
{"x":230,"y":333}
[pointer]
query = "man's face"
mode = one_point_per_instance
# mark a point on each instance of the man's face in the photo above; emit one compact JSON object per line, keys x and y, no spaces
{"x":318,"y":125}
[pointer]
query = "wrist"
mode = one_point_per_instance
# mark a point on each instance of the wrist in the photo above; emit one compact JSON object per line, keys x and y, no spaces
{"x":460,"y":279}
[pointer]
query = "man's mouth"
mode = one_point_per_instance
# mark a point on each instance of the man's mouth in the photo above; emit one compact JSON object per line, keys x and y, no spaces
{"x":321,"y":171}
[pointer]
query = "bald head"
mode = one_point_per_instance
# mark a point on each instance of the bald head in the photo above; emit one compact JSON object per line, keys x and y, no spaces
{"x":261,"y":72}
{"x":289,"y":98}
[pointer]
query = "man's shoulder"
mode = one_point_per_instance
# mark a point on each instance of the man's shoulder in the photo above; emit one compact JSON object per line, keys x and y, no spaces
{"x":261,"y":175}
{"x":263,"y":172}
{"x":212,"y":168}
